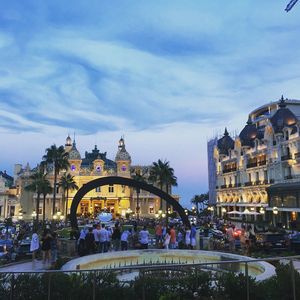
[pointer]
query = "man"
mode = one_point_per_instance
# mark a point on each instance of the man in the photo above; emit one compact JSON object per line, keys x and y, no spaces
{"x":193,"y":236}
{"x":116,"y":237}
{"x":173,"y":238}
{"x":158,"y":234}
{"x":103,"y":237}
{"x":124,"y":240}
{"x":90,"y":241}
{"x":144,"y":238}
{"x":96,"y":236}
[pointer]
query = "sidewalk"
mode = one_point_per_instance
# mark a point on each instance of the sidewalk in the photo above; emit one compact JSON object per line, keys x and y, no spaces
{"x":25,"y":267}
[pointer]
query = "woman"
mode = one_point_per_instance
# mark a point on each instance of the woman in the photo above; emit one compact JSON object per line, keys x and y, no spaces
{"x":167,"y":239}
{"x":46,"y":246}
{"x":34,"y":245}
{"x":188,"y":237}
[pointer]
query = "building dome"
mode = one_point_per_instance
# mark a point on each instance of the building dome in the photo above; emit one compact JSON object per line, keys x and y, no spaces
{"x":225,"y":143}
{"x":283,"y":117}
{"x":68,"y":141}
{"x":122,"y":154}
{"x":248,"y":134}
{"x":74,"y":153}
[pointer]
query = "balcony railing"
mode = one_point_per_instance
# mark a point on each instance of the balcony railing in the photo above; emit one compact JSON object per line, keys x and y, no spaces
{"x":249,"y":183}
{"x":286,"y":157}
{"x":257,"y":182}
{"x":251,"y":165}
{"x":237,"y":184}
{"x":223,"y":186}
{"x":288,"y":177}
{"x":230,"y":185}
{"x":297,"y":155}
{"x":229,"y":170}
{"x":262,"y":162}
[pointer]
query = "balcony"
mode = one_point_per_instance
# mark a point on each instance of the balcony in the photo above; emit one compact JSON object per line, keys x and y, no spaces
{"x":288,"y":177}
{"x":286,"y":157}
{"x":229,"y":170}
{"x":257,"y":182}
{"x":224,"y":186}
{"x":262,"y":163}
{"x":237,"y":184}
{"x":265,"y":181}
{"x":251,"y":165}
{"x":230,"y":185}
{"x":249,"y":183}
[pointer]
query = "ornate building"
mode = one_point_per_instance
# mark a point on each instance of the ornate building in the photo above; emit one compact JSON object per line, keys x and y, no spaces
{"x":258,"y":172}
{"x":117,"y":199}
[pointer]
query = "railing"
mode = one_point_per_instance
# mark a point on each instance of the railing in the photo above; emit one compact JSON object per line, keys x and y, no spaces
{"x":249,"y":183}
{"x":286,"y":157}
{"x":229,"y":170}
{"x":237,"y":184}
{"x":257,"y":182}
{"x":96,"y":283}
{"x":251,"y":165}
{"x":223,"y":186}
{"x":288,"y":177}
{"x":262,"y":162}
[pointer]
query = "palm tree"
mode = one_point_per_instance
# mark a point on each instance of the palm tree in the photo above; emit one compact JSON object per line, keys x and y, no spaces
{"x":163,"y":174}
{"x":58,"y":157}
{"x":201,"y":200}
{"x":141,"y":178}
{"x":67,"y":183}
{"x":37,"y":181}
{"x":46,"y":189}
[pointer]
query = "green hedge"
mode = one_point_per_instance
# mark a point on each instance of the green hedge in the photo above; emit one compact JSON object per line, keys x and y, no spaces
{"x":160,"y":285}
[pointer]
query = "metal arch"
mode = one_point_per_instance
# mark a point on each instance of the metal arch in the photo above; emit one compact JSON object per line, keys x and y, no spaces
{"x":128,"y":182}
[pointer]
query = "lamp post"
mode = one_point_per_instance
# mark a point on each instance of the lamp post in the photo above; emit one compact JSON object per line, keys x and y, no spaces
{"x":275,"y":213}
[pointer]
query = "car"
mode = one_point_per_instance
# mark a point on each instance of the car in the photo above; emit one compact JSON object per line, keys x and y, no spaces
{"x":23,"y":249}
{"x":271,"y":241}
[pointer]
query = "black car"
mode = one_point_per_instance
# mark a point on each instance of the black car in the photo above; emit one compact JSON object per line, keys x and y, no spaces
{"x":271,"y":241}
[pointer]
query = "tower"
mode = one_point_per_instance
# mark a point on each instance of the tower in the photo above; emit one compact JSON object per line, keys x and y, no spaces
{"x":123,"y":160}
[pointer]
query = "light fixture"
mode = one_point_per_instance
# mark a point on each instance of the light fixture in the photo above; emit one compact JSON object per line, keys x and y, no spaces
{"x":246,"y":211}
{"x":55,"y":217}
{"x":156,"y":216}
{"x":160,"y":211}
{"x":252,"y":208}
{"x":58,"y":213}
{"x":275,"y":210}
{"x":163,"y":215}
{"x":224,"y":210}
{"x":33,"y":214}
{"x":262,"y":210}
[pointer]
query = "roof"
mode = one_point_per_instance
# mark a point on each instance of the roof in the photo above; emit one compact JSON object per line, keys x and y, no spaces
{"x":283,"y":187}
{"x":249,"y":134}
{"x":225,"y":143}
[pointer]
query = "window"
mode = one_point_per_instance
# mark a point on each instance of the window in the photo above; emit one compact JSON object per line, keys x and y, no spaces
{"x":257,"y":176}
{"x":110,"y":188}
{"x":265,"y":175}
{"x":57,"y":188}
{"x":249,"y":177}
{"x":151,"y":210}
{"x":40,"y":210}
{"x":123,"y":189}
{"x":98,"y":189}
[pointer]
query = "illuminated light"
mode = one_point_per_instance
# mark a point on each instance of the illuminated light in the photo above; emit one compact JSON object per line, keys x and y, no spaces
{"x":59,"y":213}
{"x":163,"y":215}
{"x":224,"y":210}
{"x":156,"y":215}
{"x":261,"y":210}
{"x":252,"y":208}
{"x":275,"y":210}
{"x":55,"y":217}
{"x":246,"y":211}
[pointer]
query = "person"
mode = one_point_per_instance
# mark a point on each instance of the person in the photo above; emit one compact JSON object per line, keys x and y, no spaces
{"x":180,"y":237}
{"x":243,"y":239}
{"x":96,"y":232}
{"x":34,"y":245}
{"x":230,"y":238}
{"x":172,"y":244}
{"x":193,"y":236}
{"x":188,"y":237}
{"x":116,"y":237}
{"x":46,"y":246}
{"x":102,"y":238}
{"x":81,"y":242}
{"x":90,"y":241}
{"x":144,"y":238}
{"x":108,"y":241}
{"x":158,"y":234}
{"x":167,"y":239}
{"x":124,"y":239}
{"x":53,"y":245}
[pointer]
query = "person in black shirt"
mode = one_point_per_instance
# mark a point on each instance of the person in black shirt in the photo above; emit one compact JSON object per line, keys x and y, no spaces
{"x":90,"y":242}
{"x":46,"y":246}
{"x":116,"y":237}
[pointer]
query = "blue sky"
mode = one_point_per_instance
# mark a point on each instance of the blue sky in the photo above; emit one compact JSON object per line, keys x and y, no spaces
{"x":166,"y":74}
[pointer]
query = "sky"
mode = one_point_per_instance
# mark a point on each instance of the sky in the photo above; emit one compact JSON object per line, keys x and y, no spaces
{"x":168,"y":75}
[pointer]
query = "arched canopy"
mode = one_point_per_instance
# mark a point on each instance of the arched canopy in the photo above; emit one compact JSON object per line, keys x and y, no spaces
{"x":128,"y":182}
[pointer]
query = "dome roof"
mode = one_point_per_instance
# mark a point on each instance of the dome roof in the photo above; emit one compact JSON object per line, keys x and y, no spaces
{"x":225,"y":143}
{"x":74,"y":153}
{"x":68,"y":141}
{"x":283,"y":117}
{"x":122,"y":154}
{"x":248,"y":134}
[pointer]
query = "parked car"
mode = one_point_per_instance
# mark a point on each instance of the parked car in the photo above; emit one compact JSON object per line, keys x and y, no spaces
{"x":23,"y":249}
{"x":271,"y":241}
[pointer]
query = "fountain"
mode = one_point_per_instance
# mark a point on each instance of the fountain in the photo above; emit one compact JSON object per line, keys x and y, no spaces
{"x":160,"y":257}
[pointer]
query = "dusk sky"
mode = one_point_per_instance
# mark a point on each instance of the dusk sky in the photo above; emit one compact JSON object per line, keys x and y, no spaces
{"x":167,"y":75}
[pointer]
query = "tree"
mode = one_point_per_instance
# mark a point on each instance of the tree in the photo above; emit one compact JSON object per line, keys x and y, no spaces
{"x":67,"y":183}
{"x":58,"y":158}
{"x":141,"y":178}
{"x":46,"y":189}
{"x":37,"y":181}
{"x":201,"y":200}
{"x":163,"y":174}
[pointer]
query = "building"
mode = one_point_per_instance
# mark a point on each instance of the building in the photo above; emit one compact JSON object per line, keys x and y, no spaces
{"x":117,"y":199}
{"x":258,"y":172}
{"x":9,"y":198}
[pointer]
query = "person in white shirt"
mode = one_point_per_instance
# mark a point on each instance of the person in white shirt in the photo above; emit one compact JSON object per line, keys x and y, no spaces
{"x":103,"y":236}
{"x":34,"y":245}
{"x":108,"y":241}
{"x":167,"y":239}
{"x":188,"y":237}
{"x":144,"y":238}
{"x":96,"y":231}
{"x":124,"y":240}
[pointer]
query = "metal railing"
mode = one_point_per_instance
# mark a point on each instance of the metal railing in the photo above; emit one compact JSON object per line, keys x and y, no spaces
{"x":90,"y":275}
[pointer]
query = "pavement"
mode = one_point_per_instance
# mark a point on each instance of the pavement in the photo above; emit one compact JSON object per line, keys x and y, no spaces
{"x":30,"y":266}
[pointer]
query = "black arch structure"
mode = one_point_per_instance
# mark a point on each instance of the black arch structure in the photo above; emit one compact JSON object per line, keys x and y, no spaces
{"x":128,"y":182}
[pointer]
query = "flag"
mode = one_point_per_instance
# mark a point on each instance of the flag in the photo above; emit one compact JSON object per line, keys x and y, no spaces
{"x":290,"y":5}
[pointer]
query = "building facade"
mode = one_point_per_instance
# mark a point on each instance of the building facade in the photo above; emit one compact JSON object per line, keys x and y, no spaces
{"x":117,"y":199}
{"x":258,"y":172}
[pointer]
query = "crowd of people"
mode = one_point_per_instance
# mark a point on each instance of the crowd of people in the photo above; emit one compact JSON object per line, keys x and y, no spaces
{"x":101,"y":238}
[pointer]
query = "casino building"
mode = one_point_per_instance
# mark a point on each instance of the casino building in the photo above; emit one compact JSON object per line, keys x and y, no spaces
{"x":256,"y":174}
{"x":117,"y":199}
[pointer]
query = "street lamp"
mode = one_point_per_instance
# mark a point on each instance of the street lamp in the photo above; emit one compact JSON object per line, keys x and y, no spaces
{"x":275,"y":210}
{"x":262,"y":210}
{"x":34,"y":214}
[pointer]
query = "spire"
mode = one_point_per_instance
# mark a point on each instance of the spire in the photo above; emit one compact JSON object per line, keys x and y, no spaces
{"x":282,"y":102}
{"x":68,"y":141}
{"x":249,"y":122}
{"x":226,"y":132}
